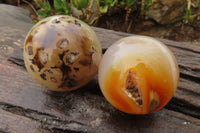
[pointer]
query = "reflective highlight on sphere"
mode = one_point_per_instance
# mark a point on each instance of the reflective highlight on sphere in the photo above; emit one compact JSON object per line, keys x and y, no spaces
{"x":62,"y":53}
{"x":138,"y":75}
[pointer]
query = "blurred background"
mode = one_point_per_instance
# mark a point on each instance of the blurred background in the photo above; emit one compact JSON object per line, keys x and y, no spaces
{"x":177,"y":20}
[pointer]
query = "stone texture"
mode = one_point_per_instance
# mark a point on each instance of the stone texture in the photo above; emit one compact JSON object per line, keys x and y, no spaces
{"x":167,"y":11}
{"x":14,"y":17}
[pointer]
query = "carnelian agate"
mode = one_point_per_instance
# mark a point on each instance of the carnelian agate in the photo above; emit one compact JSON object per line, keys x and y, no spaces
{"x":155,"y":76}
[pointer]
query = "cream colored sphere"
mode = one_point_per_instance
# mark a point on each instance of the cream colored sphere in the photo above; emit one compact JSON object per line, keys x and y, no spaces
{"x":62,"y":53}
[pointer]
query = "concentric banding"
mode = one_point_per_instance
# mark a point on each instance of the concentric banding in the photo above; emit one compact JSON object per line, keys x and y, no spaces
{"x":152,"y":60}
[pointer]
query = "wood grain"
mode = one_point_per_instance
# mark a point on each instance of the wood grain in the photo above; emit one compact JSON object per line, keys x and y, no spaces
{"x":12,"y":123}
{"x":86,"y":110}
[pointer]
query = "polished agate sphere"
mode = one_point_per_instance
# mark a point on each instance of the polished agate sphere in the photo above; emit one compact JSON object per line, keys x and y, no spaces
{"x":138,"y":75}
{"x":62,"y":53}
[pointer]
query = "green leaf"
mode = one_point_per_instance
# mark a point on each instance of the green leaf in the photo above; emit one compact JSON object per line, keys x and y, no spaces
{"x":127,"y":2}
{"x":34,"y":21}
{"x":114,"y":3}
{"x":47,"y":7}
{"x":199,"y":5}
{"x":122,"y":3}
{"x":67,"y":12}
{"x":185,"y":17}
{"x":42,"y":13}
{"x":191,"y":18}
{"x":64,"y":5}
{"x":130,"y":2}
{"x":38,"y":3}
{"x":81,"y":4}
{"x":104,"y":9}
{"x":58,"y":5}
{"x":188,"y":11}
{"x":109,"y":2}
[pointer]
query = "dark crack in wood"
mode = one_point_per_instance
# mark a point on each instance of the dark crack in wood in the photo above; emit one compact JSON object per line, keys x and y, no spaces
{"x":58,"y":130}
{"x":17,"y":57}
{"x":17,"y":62}
{"x":49,"y":122}
{"x":183,"y":106}
{"x":3,"y":131}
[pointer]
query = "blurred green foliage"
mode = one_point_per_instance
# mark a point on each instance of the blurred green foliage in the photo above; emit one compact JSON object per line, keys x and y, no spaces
{"x":80,"y":4}
{"x":192,"y":12}
{"x":62,"y":6}
{"x":91,"y":10}
{"x":105,"y":4}
{"x":45,"y":9}
{"x":128,"y":2}
{"x":187,"y":18}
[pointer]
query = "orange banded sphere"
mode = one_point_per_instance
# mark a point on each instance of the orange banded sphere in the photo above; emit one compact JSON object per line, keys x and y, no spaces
{"x":138,"y":75}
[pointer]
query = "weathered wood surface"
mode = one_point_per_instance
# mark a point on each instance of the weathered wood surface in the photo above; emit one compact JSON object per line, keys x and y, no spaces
{"x":26,"y":107}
